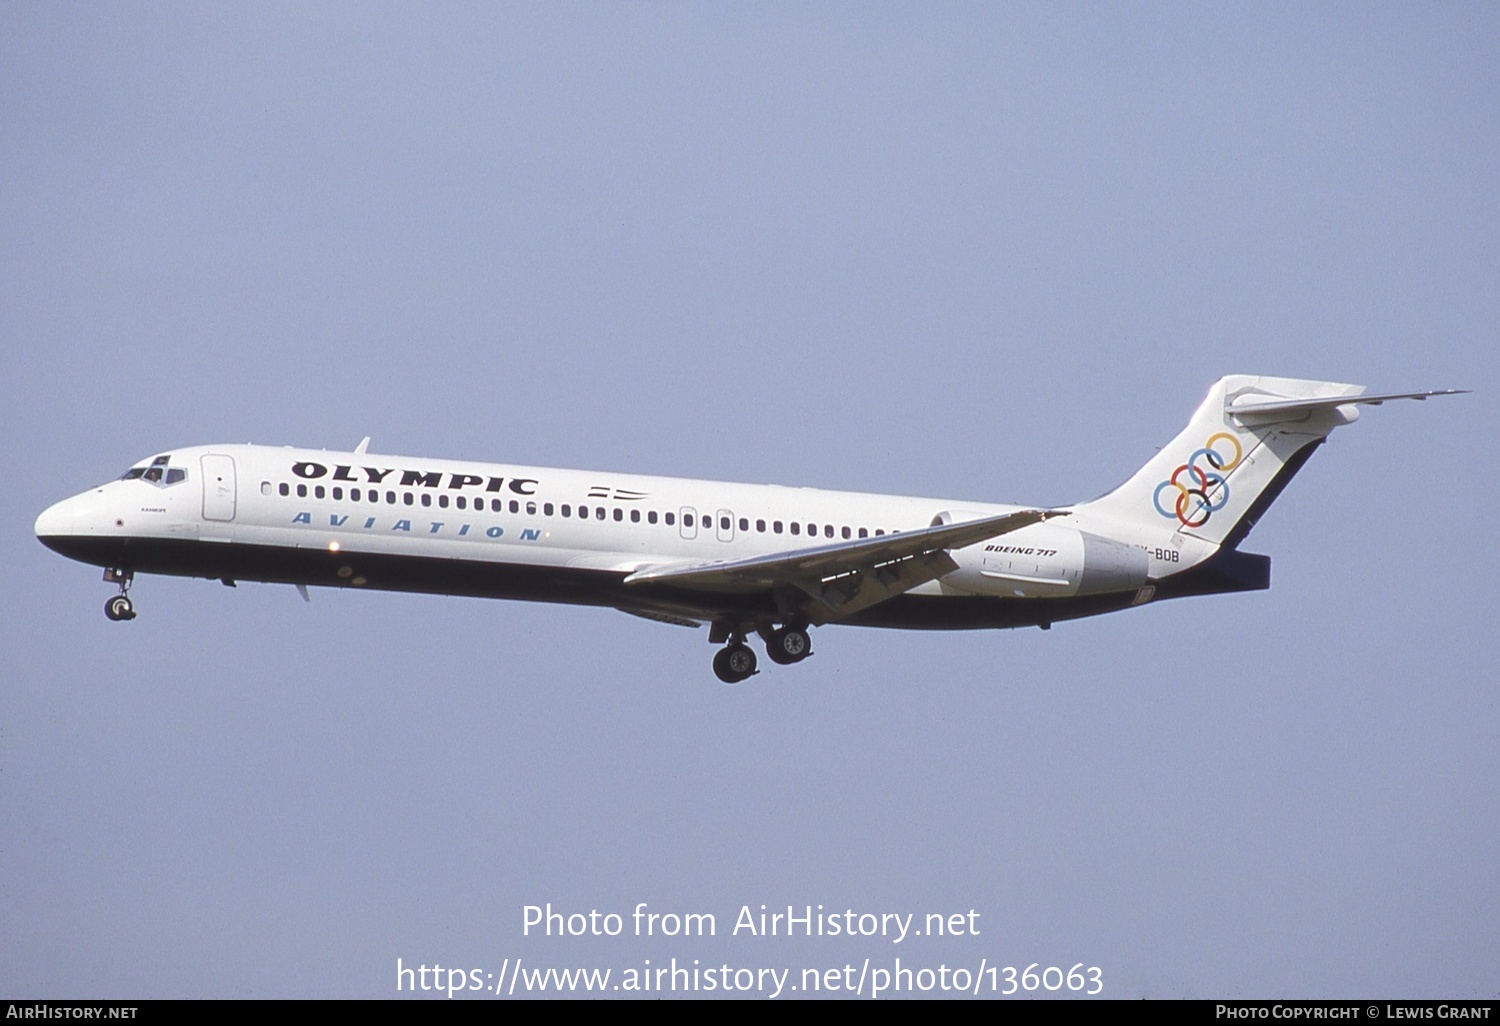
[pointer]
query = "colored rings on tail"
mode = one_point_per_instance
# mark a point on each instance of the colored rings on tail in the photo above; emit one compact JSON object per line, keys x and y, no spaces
{"x":1199,"y":488}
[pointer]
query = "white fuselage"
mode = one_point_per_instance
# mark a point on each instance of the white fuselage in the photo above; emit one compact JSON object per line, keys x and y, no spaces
{"x":239,"y":498}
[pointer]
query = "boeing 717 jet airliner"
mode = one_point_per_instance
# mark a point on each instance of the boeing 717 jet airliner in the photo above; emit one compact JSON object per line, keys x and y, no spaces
{"x":743,"y":559}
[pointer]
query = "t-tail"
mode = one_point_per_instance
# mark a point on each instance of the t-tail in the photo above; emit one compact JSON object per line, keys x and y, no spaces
{"x":1196,"y":500}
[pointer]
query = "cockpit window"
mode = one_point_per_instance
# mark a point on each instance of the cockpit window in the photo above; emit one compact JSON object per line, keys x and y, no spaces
{"x":158,"y":473}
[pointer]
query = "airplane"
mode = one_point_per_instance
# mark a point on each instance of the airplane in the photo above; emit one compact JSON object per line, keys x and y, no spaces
{"x":743,"y":559}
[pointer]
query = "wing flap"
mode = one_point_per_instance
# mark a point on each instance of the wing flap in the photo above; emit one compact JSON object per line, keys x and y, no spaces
{"x":651,"y":614}
{"x":850,"y":593}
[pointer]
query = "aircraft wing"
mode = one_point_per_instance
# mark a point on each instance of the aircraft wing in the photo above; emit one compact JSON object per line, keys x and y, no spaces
{"x":846,"y":577}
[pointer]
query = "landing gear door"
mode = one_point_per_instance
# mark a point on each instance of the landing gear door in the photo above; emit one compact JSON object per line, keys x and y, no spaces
{"x":218,"y":487}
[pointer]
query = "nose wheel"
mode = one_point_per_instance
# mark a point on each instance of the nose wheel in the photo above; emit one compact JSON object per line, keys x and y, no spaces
{"x":119,"y":607}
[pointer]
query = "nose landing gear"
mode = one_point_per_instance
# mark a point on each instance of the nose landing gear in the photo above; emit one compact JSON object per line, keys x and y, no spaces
{"x":119,"y":607}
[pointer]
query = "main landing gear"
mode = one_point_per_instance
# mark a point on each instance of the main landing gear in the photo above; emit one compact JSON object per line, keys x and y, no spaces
{"x":119,"y":607}
{"x":788,"y":645}
{"x":736,"y":662}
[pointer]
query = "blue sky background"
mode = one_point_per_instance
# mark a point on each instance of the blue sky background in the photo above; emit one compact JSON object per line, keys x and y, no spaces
{"x":974,"y":251}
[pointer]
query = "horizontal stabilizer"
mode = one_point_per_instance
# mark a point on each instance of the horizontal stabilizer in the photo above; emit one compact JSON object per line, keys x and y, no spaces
{"x":1249,"y":406}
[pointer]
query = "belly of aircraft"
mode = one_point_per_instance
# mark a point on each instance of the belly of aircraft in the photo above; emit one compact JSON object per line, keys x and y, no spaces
{"x":538,"y":583}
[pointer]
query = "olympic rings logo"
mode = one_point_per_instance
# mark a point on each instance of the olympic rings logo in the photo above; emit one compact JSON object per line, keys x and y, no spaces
{"x":1201,"y":489}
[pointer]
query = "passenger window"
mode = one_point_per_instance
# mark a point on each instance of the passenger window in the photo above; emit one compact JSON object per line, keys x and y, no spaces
{"x":864,"y":532}
{"x":635,"y":516}
{"x":845,"y":532}
{"x":651,"y":516}
{"x":828,"y":530}
{"x":567,"y":509}
{"x":338,"y":493}
{"x":515,"y":505}
{"x":723,"y":523}
{"x":460,"y":502}
{"x":670,"y":518}
{"x":760,"y":526}
{"x":599,"y":512}
{"x":531,"y":509}
{"x":496,"y":505}
{"x":390,"y":498}
{"x":426,"y":499}
{"x":546,"y":509}
{"x":776,"y":527}
{"x":284,"y":489}
{"x":318,"y":492}
{"x":302,"y":491}
{"x":796,"y":527}
{"x":442,"y":502}
{"x":265,"y":488}
{"x":744,"y":524}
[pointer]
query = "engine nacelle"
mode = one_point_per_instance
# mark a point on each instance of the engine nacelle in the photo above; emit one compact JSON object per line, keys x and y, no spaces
{"x":1045,"y":561}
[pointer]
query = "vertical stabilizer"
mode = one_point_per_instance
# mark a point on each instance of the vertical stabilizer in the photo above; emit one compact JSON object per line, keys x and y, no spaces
{"x":1242,"y":445}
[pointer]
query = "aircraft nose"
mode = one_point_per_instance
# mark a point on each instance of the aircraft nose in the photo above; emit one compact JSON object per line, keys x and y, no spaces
{"x":57,"y":520}
{"x":77,"y":528}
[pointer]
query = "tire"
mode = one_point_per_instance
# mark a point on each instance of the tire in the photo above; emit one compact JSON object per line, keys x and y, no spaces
{"x":119,"y":608}
{"x":789,"y":645}
{"x":734,"y":663}
{"x":741,"y":660}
